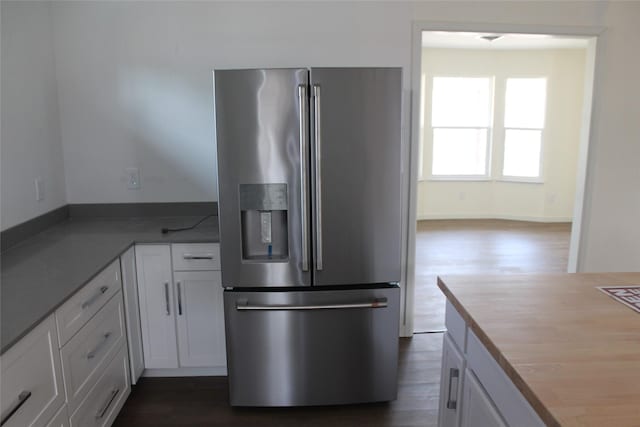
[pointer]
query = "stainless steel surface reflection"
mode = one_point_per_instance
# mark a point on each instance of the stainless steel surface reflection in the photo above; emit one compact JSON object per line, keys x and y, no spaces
{"x":309,"y":193}
{"x":312,"y":357}
{"x":258,"y":132}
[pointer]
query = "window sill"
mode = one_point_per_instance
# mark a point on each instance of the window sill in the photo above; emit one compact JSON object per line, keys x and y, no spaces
{"x":457,"y":178}
{"x":515,"y":180}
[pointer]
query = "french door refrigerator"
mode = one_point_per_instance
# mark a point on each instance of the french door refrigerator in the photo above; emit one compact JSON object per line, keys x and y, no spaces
{"x":309,"y":188}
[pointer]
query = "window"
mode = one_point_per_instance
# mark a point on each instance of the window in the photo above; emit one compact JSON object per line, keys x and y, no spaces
{"x":525,"y":101}
{"x":461,"y":124}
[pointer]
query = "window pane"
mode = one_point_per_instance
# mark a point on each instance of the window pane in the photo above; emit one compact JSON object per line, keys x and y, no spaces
{"x":459,"y":152}
{"x":525,"y":103}
{"x":461,"y":102}
{"x":522,"y":153}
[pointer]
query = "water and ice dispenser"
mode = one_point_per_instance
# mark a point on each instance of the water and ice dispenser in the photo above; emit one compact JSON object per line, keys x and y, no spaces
{"x":264,"y":222}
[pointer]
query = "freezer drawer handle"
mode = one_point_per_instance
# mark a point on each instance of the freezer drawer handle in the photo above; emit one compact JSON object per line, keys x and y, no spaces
{"x":378,"y":303}
{"x":22,"y":399}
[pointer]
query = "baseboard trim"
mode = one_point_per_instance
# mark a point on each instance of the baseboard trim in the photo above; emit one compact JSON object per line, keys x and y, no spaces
{"x":503,"y":217}
{"x":214,"y":371}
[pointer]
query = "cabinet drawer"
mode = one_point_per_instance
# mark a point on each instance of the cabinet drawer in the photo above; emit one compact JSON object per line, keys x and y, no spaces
{"x":87,"y":301}
{"x":32,"y":390}
{"x":102,"y":404}
{"x":85,"y":355}
{"x":195,"y":256}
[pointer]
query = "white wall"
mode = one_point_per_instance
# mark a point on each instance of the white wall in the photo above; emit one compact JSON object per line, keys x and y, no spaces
{"x":553,"y":198}
{"x":30,"y":132}
{"x":112,"y":57}
{"x":136,"y":85}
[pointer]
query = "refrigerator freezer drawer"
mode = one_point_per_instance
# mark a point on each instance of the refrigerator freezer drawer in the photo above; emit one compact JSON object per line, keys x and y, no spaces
{"x":299,"y":348}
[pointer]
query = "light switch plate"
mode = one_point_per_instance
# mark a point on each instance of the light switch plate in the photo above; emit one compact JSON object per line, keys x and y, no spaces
{"x":133,"y":178}
{"x":39,"y":189}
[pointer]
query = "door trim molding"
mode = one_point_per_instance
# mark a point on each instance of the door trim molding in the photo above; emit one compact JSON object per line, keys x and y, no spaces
{"x":585,"y":161}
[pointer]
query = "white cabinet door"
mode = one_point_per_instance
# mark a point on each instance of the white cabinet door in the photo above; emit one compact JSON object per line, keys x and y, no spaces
{"x":132,"y":313}
{"x":478,"y":409}
{"x":200,"y":318}
{"x":451,"y":381}
{"x":157,"y":315}
{"x":31,"y":391}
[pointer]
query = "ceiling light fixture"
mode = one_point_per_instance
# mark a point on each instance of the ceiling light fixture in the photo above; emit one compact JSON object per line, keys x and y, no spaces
{"x":491,"y":37}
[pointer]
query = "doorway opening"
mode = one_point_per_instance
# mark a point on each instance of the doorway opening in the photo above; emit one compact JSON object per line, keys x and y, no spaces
{"x":502,"y":139}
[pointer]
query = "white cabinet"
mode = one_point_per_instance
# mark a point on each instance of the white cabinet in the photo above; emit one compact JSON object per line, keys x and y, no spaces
{"x":478,"y":410}
{"x":102,"y":403}
{"x":132,"y":313}
{"x":200,"y":318}
{"x":474,"y":390}
{"x":32,"y":391}
{"x":87,"y":353}
{"x":157,"y":315}
{"x":181,"y":312}
{"x":451,"y":380}
{"x":93,"y":327}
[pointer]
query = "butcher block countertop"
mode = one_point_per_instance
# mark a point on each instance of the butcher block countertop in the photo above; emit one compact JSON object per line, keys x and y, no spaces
{"x":572,"y":351}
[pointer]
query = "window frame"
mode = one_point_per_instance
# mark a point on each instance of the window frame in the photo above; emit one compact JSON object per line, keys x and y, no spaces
{"x":429,"y":127}
{"x":539,"y":179}
{"x":522,"y":179}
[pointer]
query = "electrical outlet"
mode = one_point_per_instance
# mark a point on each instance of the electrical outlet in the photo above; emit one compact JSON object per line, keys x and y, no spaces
{"x":133,"y":178}
{"x":39,"y":189}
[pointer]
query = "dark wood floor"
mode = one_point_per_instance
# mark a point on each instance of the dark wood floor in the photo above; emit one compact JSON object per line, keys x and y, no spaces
{"x":443,"y":247}
{"x":481,"y":247}
{"x":203,"y":401}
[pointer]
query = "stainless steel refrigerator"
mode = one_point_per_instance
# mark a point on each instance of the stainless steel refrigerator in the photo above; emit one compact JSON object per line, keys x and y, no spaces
{"x":309,"y":174}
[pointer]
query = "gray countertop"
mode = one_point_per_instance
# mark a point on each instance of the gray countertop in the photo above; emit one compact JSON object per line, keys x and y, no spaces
{"x":42,"y":272}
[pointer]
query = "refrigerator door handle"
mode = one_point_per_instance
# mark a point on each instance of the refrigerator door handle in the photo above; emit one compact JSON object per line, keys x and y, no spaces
{"x":377,"y":303}
{"x":318,"y":172}
{"x":304,"y":174}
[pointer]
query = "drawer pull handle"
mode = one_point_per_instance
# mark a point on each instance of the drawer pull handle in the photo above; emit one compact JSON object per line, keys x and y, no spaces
{"x":452,"y":403}
{"x":196,"y":256}
{"x":108,"y":403}
{"x":166,"y":298}
{"x":179,"y":299}
{"x":93,"y":352}
{"x":379,"y":303}
{"x":98,"y":294}
{"x":22,"y":398}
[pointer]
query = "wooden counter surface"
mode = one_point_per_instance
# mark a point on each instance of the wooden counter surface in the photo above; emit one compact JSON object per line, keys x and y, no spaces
{"x":572,"y":351}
